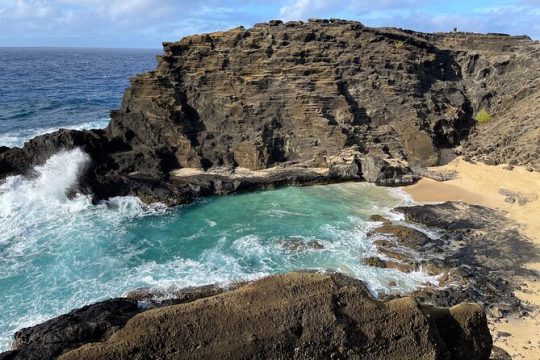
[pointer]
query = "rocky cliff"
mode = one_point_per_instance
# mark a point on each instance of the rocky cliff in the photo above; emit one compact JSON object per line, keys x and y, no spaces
{"x":321,"y":101}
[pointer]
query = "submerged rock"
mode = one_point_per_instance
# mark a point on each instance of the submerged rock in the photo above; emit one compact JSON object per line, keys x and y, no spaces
{"x":292,"y":316}
{"x":299,"y":244}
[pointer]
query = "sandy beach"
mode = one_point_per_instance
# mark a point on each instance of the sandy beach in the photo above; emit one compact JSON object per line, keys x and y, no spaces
{"x":481,"y":184}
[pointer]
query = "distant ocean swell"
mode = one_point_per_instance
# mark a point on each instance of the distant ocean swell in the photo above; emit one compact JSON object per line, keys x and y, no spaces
{"x":19,"y":137}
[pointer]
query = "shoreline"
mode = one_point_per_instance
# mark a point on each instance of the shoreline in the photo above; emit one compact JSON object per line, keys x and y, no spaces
{"x":480,"y":184}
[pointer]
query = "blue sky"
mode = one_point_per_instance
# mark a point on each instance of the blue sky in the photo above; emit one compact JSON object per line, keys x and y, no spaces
{"x":146,"y":23}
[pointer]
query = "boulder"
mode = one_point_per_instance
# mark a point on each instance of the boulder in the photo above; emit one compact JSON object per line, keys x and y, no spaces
{"x":405,"y":235}
{"x":382,"y":172}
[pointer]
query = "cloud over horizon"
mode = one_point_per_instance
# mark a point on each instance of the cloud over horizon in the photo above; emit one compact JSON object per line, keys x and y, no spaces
{"x":146,"y":23}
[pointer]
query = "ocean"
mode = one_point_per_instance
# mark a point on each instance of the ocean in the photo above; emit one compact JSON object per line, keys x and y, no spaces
{"x":57,"y":254}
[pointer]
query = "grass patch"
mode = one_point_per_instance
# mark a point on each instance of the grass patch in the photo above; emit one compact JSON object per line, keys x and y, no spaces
{"x":483,"y":117}
{"x":399,"y":44}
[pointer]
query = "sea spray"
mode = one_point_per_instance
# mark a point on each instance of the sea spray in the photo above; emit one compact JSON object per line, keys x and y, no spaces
{"x":28,"y":202}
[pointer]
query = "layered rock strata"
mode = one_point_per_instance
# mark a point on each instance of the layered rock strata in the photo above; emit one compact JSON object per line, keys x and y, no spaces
{"x":364,"y":103}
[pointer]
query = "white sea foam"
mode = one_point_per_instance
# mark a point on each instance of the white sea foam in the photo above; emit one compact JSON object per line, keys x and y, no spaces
{"x":18,"y":138}
{"x":60,"y":253}
{"x":39,"y":223}
{"x":25,"y":202}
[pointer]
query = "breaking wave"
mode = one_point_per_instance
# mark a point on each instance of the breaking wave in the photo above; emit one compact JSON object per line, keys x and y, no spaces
{"x":18,"y":138}
{"x":59,"y":252}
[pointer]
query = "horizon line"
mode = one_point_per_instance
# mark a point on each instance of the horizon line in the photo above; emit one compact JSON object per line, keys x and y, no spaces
{"x":77,"y":47}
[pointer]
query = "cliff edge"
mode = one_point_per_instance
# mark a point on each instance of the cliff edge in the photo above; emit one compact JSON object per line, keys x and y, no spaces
{"x":321,"y":101}
{"x":292,"y":316}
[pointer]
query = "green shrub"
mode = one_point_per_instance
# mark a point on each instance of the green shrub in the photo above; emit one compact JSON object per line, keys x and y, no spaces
{"x":399,"y":44}
{"x":483,"y":117}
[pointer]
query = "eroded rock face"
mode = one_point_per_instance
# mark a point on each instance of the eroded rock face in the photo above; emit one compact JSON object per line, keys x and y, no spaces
{"x":294,"y":92}
{"x":293,"y":316}
{"x":95,"y":322}
{"x":364,"y":103}
{"x":502,"y":76}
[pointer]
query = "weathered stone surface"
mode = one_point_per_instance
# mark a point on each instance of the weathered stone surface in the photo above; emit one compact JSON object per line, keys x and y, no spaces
{"x":513,"y":196}
{"x":501,"y":75}
{"x":384,"y":172}
{"x":378,"y":218}
{"x":477,"y":253}
{"x":365,"y":103}
{"x":434,"y":175}
{"x":293,"y":316}
{"x":91,"y":323}
{"x":405,"y":235}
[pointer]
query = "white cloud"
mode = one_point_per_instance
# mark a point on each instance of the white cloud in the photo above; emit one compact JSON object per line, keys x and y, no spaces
{"x":303,"y":9}
{"x":145,"y":23}
{"x":300,"y":8}
{"x":25,"y":9}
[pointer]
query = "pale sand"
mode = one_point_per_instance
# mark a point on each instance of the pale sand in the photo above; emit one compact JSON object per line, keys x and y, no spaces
{"x":479,"y":184}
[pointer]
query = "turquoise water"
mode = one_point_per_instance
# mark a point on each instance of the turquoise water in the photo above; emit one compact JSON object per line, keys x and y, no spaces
{"x":57,"y":254}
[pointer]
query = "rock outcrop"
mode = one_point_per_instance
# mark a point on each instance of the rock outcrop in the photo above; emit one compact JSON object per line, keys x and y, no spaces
{"x":502,"y":76}
{"x":477,"y":254}
{"x":363,"y":103}
{"x":293,"y":316}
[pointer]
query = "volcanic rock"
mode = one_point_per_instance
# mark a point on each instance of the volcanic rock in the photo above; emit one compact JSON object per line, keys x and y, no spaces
{"x":478,"y":254}
{"x":405,"y":235}
{"x":293,"y":316}
{"x":329,"y":94}
{"x":91,"y":323}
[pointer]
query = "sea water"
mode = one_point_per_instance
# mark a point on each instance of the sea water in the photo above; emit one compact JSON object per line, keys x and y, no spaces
{"x":43,"y":89}
{"x":59,"y":253}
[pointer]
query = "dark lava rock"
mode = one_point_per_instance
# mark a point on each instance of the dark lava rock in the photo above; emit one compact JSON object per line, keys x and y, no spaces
{"x":94,"y":322}
{"x":381,"y":172}
{"x":374,"y":261}
{"x":499,"y":354}
{"x":451,"y":215}
{"x":478,"y":255}
{"x":378,"y":218}
{"x":393,"y":253}
{"x":405,"y":235}
{"x":326,"y":94}
{"x":292,"y":316}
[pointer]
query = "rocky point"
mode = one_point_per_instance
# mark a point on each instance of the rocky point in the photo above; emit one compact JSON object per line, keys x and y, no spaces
{"x":293,"y":98}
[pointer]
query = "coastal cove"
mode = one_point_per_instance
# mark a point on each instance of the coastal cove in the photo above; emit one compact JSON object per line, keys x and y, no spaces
{"x":65,"y":253}
{"x":295,"y":190}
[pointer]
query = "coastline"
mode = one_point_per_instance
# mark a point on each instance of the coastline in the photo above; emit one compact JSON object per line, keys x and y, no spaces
{"x":305,"y":103}
{"x":479,"y":184}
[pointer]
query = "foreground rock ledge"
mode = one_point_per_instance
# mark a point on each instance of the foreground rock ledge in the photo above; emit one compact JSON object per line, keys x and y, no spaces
{"x":293,"y":316}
